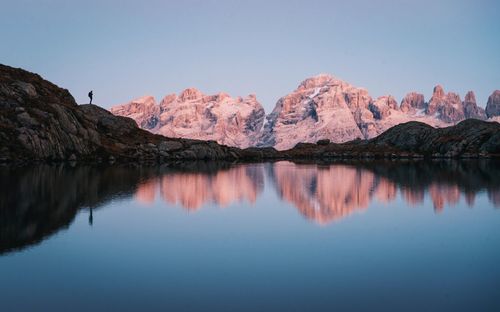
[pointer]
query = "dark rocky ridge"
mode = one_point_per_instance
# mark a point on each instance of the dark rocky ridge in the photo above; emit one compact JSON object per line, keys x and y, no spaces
{"x":42,"y":122}
{"x":470,"y":138}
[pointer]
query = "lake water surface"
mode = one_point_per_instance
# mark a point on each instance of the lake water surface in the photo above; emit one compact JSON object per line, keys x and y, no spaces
{"x":377,"y":236}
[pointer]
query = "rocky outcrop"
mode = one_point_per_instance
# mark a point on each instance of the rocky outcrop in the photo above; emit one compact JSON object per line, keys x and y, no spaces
{"x":471,"y":110}
{"x":469,"y":138}
{"x":382,"y":107}
{"x":41,"y":121}
{"x":447,"y":107}
{"x":413,"y":102}
{"x":493,"y":105}
{"x":466,"y":138}
{"x":193,"y":115}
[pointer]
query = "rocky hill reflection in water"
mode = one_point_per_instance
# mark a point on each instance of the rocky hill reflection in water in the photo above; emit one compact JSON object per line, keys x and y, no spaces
{"x":37,"y":202}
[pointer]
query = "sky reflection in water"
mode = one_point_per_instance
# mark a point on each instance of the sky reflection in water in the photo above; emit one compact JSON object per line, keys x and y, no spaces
{"x":216,"y":236}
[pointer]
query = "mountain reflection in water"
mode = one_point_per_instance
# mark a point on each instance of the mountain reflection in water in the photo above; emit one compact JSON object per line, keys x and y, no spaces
{"x":39,"y":201}
{"x":194,"y":189}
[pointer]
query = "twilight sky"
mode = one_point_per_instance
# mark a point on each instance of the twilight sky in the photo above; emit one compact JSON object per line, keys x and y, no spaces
{"x":126,"y":49}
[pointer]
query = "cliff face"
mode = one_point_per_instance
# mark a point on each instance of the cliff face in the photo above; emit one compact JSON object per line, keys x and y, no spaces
{"x":194,"y":115}
{"x":40,"y":121}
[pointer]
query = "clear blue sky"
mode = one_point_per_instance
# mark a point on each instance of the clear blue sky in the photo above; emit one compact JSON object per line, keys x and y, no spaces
{"x":126,"y":49}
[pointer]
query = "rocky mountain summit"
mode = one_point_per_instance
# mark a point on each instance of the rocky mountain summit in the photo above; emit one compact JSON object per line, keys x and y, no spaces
{"x":194,"y":115}
{"x":305,"y":115}
{"x":322,"y":107}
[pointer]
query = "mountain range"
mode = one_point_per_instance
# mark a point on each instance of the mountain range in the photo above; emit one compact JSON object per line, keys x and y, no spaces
{"x":40,"y":121}
{"x":322,"y":107}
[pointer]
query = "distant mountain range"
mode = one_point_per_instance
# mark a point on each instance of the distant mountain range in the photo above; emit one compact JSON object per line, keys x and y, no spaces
{"x":322,"y":107}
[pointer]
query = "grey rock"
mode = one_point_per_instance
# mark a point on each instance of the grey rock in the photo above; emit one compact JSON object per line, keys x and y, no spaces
{"x":493,"y":105}
{"x":27,"y":88}
{"x":447,"y":107}
{"x":381,"y":108}
{"x":471,"y":110}
{"x":26,"y":120}
{"x":169,"y":146}
{"x":413,"y":101}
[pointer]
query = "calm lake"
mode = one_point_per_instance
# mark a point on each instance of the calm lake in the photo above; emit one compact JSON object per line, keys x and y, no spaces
{"x":378,"y":236}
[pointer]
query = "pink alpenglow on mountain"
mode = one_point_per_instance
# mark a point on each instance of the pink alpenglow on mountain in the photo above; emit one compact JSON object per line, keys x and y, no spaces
{"x":324,"y":107}
{"x":143,"y":110}
{"x":321,"y":108}
{"x":194,"y":115}
{"x":447,"y":107}
{"x":413,"y":102}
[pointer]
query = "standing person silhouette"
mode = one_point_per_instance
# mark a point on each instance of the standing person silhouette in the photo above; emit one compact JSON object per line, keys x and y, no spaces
{"x":90,"y":96}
